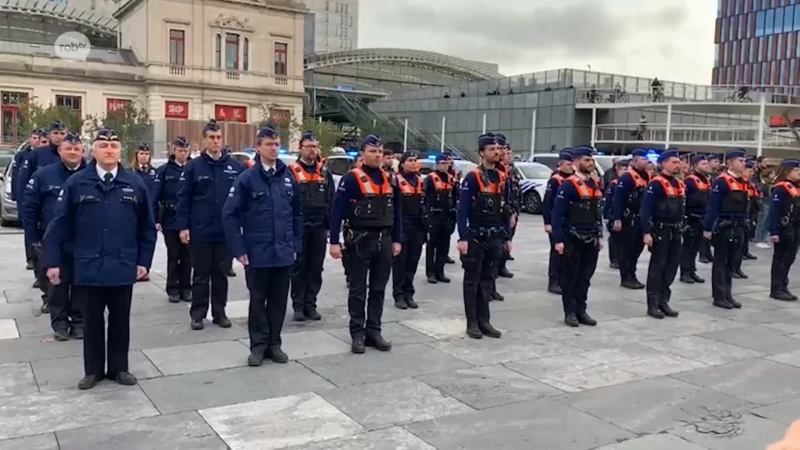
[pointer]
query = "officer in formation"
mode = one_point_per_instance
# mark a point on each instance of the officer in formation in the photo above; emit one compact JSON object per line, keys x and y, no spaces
{"x":705,"y":255}
{"x":483,"y":233}
{"x":625,"y":212}
{"x":512,"y":184}
{"x":32,"y":143}
{"x":387,"y":163}
{"x":698,"y":187}
{"x":562,"y":172}
{"x":578,"y":235}
{"x":752,"y":197}
{"x":455,"y":176}
{"x":724,"y":225}
{"x":783,"y":223}
{"x":263,"y":219}
{"x":620,"y":167}
{"x":357,"y":164}
{"x":165,"y":210}
{"x":440,"y":201}
{"x":141,"y":165}
{"x":315,"y":187}
{"x":41,"y":198}
{"x":105,"y":212}
{"x":204,"y":186}
{"x":404,"y":266}
{"x":372,"y":207}
{"x":662,"y":220}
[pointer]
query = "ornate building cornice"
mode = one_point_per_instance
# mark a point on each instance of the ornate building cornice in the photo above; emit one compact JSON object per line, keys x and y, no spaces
{"x":231,"y":23}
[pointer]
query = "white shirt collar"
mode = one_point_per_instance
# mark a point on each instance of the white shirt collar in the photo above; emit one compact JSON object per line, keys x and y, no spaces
{"x":268,"y":166}
{"x":731,"y":173}
{"x":102,"y":172}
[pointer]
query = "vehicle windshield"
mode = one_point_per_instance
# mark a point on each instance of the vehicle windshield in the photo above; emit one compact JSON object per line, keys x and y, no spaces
{"x":604,"y":162}
{"x":288,"y":158}
{"x":426,"y":166}
{"x":535,"y":172}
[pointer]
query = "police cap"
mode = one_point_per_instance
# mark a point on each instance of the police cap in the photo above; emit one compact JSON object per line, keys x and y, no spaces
{"x":666,"y":154}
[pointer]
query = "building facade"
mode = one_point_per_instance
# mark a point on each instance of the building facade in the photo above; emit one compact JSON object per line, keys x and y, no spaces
{"x":756,"y":43}
{"x":233,"y":60}
{"x":335,"y":24}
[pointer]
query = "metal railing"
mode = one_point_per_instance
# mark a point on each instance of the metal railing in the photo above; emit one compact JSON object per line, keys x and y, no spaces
{"x":683,"y":93}
{"x":718,"y":135}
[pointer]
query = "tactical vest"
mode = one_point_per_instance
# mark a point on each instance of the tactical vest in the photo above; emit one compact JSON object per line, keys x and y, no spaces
{"x":488,"y":205}
{"x":313,"y":187}
{"x":586,"y":210}
{"x":442,"y":198}
{"x":735,"y":201}
{"x":753,"y":198}
{"x":411,"y":197}
{"x":669,"y":208}
{"x":375,"y":208}
{"x":790,"y":209}
{"x":639,"y":186}
{"x":698,"y":200}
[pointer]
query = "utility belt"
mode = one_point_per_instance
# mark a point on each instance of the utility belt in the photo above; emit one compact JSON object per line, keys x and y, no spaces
{"x":629,"y":215}
{"x":660,"y":225}
{"x":695,"y":216}
{"x":164,"y":209}
{"x":730,"y":224}
{"x":585,"y":236}
{"x":485,"y":233}
{"x":353,"y":236}
{"x":787,"y":222}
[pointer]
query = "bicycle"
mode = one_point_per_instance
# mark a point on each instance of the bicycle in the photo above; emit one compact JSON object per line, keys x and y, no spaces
{"x":593,"y":97}
{"x":620,"y":97}
{"x":737,"y":97}
{"x":657,"y":96}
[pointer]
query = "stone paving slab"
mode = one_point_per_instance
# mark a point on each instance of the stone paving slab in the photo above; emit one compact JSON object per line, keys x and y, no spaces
{"x":394,"y":332}
{"x":306,"y":344}
{"x":395,"y":438}
{"x":758,"y":338}
{"x":784,"y":412}
{"x":16,"y":379}
{"x":8,"y":329}
{"x":734,"y":432}
{"x":198,"y":357}
{"x":39,"y":442}
{"x":655,"y":442}
{"x":64,"y":373}
{"x":707,"y":351}
{"x":514,"y":346}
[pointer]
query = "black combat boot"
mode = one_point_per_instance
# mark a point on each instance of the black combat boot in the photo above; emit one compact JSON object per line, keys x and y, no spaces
{"x":571,"y":320}
{"x":652,"y":308}
{"x":473,"y":331}
{"x":487,"y":329}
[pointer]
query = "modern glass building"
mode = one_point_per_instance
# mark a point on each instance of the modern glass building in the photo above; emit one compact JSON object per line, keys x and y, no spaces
{"x":757,"y":43}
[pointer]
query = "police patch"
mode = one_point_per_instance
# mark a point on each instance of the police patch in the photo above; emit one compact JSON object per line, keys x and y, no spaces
{"x":233,"y":189}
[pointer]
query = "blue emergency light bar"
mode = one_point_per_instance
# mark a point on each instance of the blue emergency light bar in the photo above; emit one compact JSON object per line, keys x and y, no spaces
{"x":353,"y":154}
{"x":432,"y":157}
{"x":282,"y":151}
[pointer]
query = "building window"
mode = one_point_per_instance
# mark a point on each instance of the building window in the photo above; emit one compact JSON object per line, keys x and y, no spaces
{"x":735,"y":53}
{"x":231,"y":51}
{"x":731,"y":27}
{"x":769,"y":26}
{"x":177,"y":50}
{"x":246,"y":55}
{"x":793,"y":72}
{"x":796,"y":22}
{"x":770,"y":47}
{"x":281,"y":53}
{"x":743,"y":48}
{"x":72,"y":102}
{"x":782,"y":81}
{"x":760,"y":23}
{"x":788,"y":18}
{"x":218,"y":51}
{"x":778,"y":21}
{"x":753,"y":47}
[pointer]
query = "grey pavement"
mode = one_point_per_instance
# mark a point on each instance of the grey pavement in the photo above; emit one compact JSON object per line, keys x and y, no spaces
{"x":710,"y":379}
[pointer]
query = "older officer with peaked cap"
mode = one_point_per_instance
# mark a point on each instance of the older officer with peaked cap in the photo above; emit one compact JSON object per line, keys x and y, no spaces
{"x":105,"y":212}
{"x":263,"y":219}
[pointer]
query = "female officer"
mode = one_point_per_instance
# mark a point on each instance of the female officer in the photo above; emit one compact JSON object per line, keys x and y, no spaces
{"x":783,"y":223}
{"x":141,"y":165}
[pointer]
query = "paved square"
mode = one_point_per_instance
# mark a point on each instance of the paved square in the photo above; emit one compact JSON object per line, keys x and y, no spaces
{"x":709,"y":380}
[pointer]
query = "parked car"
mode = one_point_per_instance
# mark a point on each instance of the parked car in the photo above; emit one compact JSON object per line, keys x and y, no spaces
{"x":533,"y":182}
{"x":339,"y":165}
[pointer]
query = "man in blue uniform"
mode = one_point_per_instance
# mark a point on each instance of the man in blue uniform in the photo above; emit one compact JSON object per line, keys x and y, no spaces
{"x":578,"y":235}
{"x":752,"y":201}
{"x":373,"y":209}
{"x":316,"y":195}
{"x":165,"y":210}
{"x":705,"y":254}
{"x":756,"y":198}
{"x":563,"y":171}
{"x":512,"y":186}
{"x":620,"y":167}
{"x":483,"y":233}
{"x":41,"y":198}
{"x":724,"y":224}
{"x":105,"y":212}
{"x":783,"y":224}
{"x":33,"y":142}
{"x":204,"y":187}
{"x":625,"y":212}
{"x":439,"y":195}
{"x":662,"y":221}
{"x":404,"y":266}
{"x":263,"y":219}
{"x":698,"y":187}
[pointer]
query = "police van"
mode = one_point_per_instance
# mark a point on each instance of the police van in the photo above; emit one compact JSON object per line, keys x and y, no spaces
{"x":533,"y":182}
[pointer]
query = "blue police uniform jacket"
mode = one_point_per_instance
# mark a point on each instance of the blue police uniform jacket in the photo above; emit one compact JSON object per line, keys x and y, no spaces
{"x":41,"y":198}
{"x":165,"y":191}
{"x":112,"y":228}
{"x":568,"y":194}
{"x":719,"y":189}
{"x":467,"y":195}
{"x":19,"y":158}
{"x":204,"y":187}
{"x":148,"y":175}
{"x":550,"y":192}
{"x":263,"y":217}
{"x":41,"y":157}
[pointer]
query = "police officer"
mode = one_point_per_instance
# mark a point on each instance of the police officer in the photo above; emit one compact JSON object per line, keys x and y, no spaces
{"x":483,"y":232}
{"x":783,"y":223}
{"x":512,"y":185}
{"x":455,"y":177}
{"x":371,"y":204}
{"x":705,"y":254}
{"x":662,"y":221}
{"x":724,"y":224}
{"x":404,"y":266}
{"x":578,"y":235}
{"x":105,"y":212}
{"x":620,"y":167}
{"x":562,"y":172}
{"x":33,"y":142}
{"x":357,"y":164}
{"x":625,"y":212}
{"x":316,"y":195}
{"x":141,"y":165}
{"x":755,"y":198}
{"x":263,"y":220}
{"x":752,"y":201}
{"x":440,"y":203}
{"x":387,"y":163}
{"x":204,"y":186}
{"x":165,"y":210}
{"x":698,"y":185}
{"x":41,"y":195}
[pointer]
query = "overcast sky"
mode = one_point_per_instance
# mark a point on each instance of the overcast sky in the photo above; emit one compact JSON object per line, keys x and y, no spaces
{"x":669,"y":39}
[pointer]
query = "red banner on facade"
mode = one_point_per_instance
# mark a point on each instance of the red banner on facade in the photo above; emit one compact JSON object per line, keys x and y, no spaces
{"x":176,"y":110}
{"x":116,"y":104}
{"x":228,"y":113}
{"x":280,"y":116}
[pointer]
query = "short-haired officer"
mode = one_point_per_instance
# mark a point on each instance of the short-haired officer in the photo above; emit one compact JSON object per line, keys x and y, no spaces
{"x":263,"y":218}
{"x":439,"y":194}
{"x":483,"y":232}
{"x":662,"y":222}
{"x":357,"y":164}
{"x":404,"y":265}
{"x":19,"y":157}
{"x":753,"y":203}
{"x":204,"y":187}
{"x":724,"y":224}
{"x":619,"y":168}
{"x":625,"y":212}
{"x":371,"y":204}
{"x":698,"y":187}
{"x":783,"y":223}
{"x":714,"y":167}
{"x":756,"y":198}
{"x":165,"y":210}
{"x":105,"y":212}
{"x":315,"y":185}
{"x":562,"y":172}
{"x":578,"y":235}
{"x":41,"y":199}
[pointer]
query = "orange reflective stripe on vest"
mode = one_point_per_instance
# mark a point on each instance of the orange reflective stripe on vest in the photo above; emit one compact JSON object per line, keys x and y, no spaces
{"x":733,"y":184}
{"x":583,"y":189}
{"x":406,"y":188}
{"x":669,"y":190}
{"x":438,"y":183}
{"x":790,"y":188}
{"x":302,"y":176}
{"x":367,"y":186}
{"x":701,"y":185}
{"x":559,"y":179}
{"x":638,"y":181}
{"x":494,"y":188}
